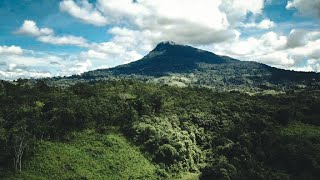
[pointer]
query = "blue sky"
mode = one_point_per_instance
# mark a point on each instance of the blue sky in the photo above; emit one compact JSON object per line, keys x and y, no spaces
{"x":45,"y":38}
{"x":45,"y":13}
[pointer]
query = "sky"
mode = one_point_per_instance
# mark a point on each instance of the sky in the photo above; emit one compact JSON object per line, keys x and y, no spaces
{"x":46,"y":38}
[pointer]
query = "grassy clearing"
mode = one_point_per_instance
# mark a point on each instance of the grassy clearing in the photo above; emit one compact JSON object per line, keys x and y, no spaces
{"x":88,"y":156}
{"x":301,"y":130}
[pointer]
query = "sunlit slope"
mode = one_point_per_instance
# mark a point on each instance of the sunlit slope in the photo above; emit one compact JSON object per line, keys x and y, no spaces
{"x":88,"y":156}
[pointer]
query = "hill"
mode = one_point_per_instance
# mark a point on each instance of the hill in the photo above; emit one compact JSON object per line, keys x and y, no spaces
{"x":128,"y":129}
{"x":88,"y":155}
{"x":123,"y":128}
{"x":182,"y":65}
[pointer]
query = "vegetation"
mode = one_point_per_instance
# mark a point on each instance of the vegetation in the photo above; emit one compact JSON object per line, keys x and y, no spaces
{"x":88,"y":155}
{"x":187,"y":66}
{"x":168,"y":132}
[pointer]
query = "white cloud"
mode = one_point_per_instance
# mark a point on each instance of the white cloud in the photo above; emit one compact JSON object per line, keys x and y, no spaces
{"x":83,"y":11}
{"x":23,"y":66}
{"x":46,"y":35}
{"x":273,"y":41}
{"x":297,"y":38}
{"x":236,"y":10}
{"x":103,"y":67}
{"x":295,"y":51}
{"x":305,"y":7}
{"x":64,"y":40}
{"x":30,"y":28}
{"x":10,"y":50}
{"x":111,"y":52}
{"x":197,"y":23}
{"x":194,"y":23}
{"x":243,"y":48}
{"x":300,"y":37}
{"x":203,"y":11}
{"x":277,"y":58}
{"x":22,"y":74}
{"x":310,"y":51}
{"x":78,"y":68}
{"x":39,"y":64}
{"x":264,"y":24}
{"x":109,"y":48}
{"x":125,"y":46}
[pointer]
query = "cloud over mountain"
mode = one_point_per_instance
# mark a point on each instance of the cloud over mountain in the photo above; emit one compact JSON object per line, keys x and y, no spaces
{"x":114,"y":32}
{"x":201,"y":22}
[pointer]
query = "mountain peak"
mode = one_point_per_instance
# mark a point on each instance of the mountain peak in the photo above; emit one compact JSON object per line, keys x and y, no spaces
{"x":172,"y":47}
{"x":167,"y":43}
{"x":180,"y":52}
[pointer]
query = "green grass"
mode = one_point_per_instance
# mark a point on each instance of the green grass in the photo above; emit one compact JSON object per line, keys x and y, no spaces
{"x":301,"y":130}
{"x":88,"y":156}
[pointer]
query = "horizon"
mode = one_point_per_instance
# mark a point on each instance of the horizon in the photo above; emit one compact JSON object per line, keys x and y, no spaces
{"x":62,"y":38}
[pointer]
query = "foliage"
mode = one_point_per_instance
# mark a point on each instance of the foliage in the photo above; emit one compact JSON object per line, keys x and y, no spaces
{"x":223,"y":135}
{"x":88,"y":156}
{"x":168,"y":143}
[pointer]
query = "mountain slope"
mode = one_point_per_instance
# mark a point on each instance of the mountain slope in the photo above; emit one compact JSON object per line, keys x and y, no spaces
{"x":183,"y":65}
{"x":167,"y":57}
{"x":107,"y":156}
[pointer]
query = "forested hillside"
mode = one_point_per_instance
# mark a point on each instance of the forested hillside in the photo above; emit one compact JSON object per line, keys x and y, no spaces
{"x":122,"y":126}
{"x":182,"y":65}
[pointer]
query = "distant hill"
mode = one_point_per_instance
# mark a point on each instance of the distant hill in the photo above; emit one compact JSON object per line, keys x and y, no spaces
{"x":183,"y":65}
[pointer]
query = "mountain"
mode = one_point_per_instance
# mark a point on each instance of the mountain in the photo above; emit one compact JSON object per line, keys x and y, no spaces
{"x":128,"y":129}
{"x":183,"y":65}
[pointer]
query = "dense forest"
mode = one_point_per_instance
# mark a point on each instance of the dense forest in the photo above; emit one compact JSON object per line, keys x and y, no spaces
{"x":127,"y":129}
